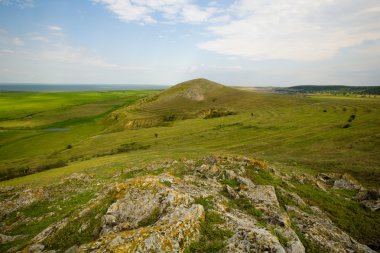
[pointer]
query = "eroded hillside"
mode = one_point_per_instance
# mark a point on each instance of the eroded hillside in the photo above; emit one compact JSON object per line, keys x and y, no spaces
{"x":215,"y":204}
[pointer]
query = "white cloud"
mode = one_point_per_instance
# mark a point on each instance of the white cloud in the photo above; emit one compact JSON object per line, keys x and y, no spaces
{"x":295,"y":30}
{"x":55,"y":50}
{"x":17,"y":41}
{"x":263,"y":29}
{"x":40,"y":38}
{"x":144,"y":11}
{"x":6,"y":51}
{"x":7,"y":39}
{"x":20,"y":3}
{"x":71,"y":55}
{"x":55,"y":28}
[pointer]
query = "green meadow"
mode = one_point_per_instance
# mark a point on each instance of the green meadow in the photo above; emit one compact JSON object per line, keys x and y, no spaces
{"x":47,"y":136}
{"x":309,"y":133}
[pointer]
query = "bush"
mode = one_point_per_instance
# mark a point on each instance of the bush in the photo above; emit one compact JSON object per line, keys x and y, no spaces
{"x":130,"y":147}
{"x":169,"y":117}
{"x":218,"y":113}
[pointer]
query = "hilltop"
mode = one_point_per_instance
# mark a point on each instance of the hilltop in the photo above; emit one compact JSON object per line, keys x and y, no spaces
{"x":195,"y":98}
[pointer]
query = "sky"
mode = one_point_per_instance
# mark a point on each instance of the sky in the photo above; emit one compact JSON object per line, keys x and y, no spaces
{"x":236,"y":42}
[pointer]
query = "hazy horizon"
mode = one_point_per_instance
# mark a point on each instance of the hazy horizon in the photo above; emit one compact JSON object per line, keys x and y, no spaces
{"x":120,"y":86}
{"x":243,"y":42}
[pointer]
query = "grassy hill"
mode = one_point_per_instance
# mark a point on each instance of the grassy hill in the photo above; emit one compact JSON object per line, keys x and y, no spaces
{"x":195,"y":98}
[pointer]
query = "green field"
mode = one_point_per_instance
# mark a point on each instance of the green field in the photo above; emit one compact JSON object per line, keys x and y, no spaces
{"x":51,"y":135}
{"x":34,"y":126}
{"x":304,"y":132}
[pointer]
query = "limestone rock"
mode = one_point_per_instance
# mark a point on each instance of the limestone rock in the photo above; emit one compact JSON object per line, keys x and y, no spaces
{"x":8,"y":238}
{"x":293,"y":196}
{"x":231,"y":192}
{"x":319,"y":229}
{"x":370,"y":199}
{"x":346,"y":182}
{"x":249,"y":237}
{"x":22,"y":199}
{"x":245,"y":183}
{"x":230,"y":174}
{"x":36,"y":248}
{"x":174,"y":227}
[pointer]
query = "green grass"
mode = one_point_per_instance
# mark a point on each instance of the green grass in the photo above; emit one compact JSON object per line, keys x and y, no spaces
{"x":261,"y":176}
{"x":82,"y":113}
{"x":230,"y":182}
{"x":246,"y":206}
{"x":75,"y":233}
{"x":207,"y":203}
{"x":212,"y":236}
{"x":284,"y":129}
{"x":22,"y":104}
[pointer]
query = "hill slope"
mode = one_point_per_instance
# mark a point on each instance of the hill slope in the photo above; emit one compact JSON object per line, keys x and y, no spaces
{"x":191,"y":99}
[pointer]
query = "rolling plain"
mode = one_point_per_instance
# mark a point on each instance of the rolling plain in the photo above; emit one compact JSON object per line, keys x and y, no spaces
{"x":61,"y":152}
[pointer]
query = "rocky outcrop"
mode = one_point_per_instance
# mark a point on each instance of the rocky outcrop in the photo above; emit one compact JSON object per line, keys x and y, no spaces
{"x":7,"y":238}
{"x":318,"y":228}
{"x":148,"y":217}
{"x":346,"y":182}
{"x":22,"y":198}
{"x":164,"y":206}
{"x":370,"y":199}
{"x":250,"y":237}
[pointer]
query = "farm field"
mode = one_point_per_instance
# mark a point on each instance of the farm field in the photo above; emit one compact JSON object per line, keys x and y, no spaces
{"x":46,"y":137}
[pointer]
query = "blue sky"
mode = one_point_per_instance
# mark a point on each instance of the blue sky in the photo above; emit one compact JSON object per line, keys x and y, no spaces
{"x":241,"y":42}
